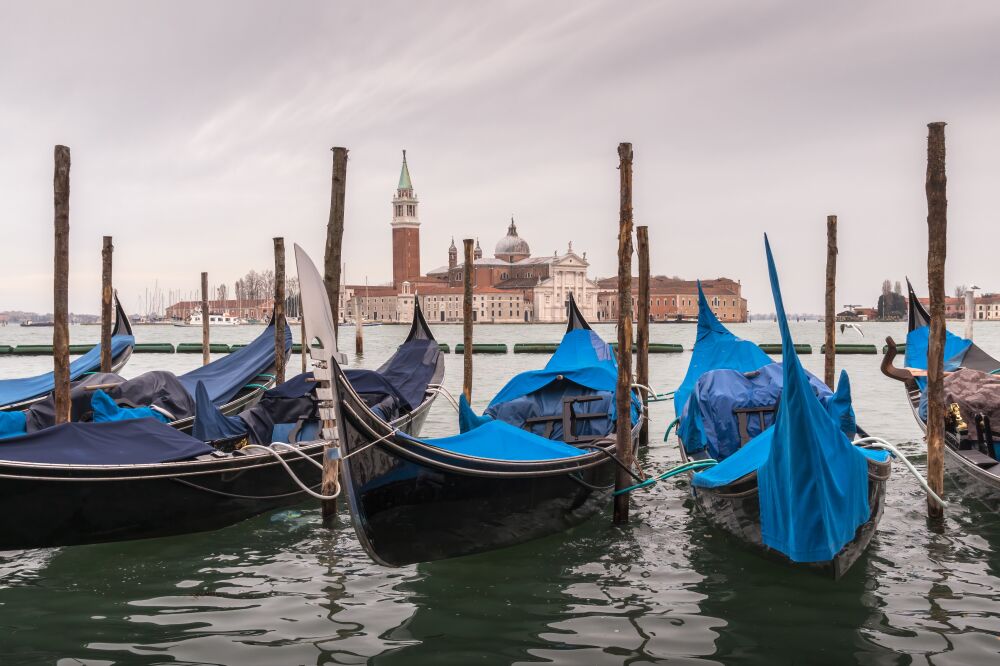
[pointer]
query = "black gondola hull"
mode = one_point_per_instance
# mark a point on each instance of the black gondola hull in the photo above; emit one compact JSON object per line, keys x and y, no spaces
{"x":736,"y":509}
{"x":412,"y":503}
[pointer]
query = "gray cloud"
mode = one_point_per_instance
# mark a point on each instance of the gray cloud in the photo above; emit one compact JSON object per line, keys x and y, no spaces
{"x":201,"y":130}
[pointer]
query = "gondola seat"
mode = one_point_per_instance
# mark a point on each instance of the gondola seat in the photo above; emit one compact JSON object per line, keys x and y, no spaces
{"x":561,"y":411}
{"x":496,"y":440}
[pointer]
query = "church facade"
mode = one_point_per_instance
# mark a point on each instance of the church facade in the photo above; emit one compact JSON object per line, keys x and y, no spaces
{"x":512,"y":285}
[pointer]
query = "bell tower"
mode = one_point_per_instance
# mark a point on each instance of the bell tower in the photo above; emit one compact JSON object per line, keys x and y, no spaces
{"x":405,"y":230}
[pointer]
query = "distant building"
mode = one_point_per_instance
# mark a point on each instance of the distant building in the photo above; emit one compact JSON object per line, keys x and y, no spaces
{"x":258,"y":308}
{"x":987,"y":307}
{"x":673,"y":299}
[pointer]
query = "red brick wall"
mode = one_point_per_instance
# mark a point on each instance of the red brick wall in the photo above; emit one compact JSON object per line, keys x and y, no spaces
{"x":405,"y":254}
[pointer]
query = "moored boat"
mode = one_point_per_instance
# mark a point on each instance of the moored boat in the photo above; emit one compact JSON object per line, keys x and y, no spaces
{"x":972,"y":393}
{"x":789,"y":481}
{"x":19,"y":394}
{"x":539,"y":461}
{"x":80,"y":483}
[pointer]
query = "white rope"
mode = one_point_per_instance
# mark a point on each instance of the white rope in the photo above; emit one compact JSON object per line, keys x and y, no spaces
{"x":655,"y":395}
{"x":439,"y":388}
{"x":370,"y":444}
{"x":879,"y":443}
{"x":288,"y":469}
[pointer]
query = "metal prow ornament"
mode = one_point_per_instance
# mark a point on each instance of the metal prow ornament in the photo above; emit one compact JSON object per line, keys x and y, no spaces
{"x":323,"y":353}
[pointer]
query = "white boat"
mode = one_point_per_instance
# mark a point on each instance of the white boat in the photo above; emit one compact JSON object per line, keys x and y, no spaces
{"x":224,"y":319}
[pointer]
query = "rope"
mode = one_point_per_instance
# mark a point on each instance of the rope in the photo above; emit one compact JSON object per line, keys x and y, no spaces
{"x":439,"y":388}
{"x":879,"y":443}
{"x":653,"y":396}
{"x":666,"y":435}
{"x":680,"y":469}
{"x":306,"y":489}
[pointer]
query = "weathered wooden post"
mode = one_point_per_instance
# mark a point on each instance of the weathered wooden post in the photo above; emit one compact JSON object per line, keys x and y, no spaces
{"x":623,"y":401}
{"x":279,"y":310}
{"x":106,"y":251}
{"x":937,"y":232}
{"x":467,"y":275}
{"x":359,"y":336}
{"x":335,"y":233}
{"x":830,"y":338}
{"x":60,"y":309}
{"x":205,"y":344}
{"x":642,"y":334}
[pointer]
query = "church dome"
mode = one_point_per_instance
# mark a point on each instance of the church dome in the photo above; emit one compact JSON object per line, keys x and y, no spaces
{"x":512,"y":245}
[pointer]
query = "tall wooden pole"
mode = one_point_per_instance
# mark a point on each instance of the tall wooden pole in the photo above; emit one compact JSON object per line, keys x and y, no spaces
{"x":335,"y":233}
{"x":937,"y":233}
{"x":359,"y":326}
{"x":205,"y":345}
{"x":642,"y":334}
{"x":279,"y":310}
{"x":60,"y":329}
{"x":106,"y":251}
{"x":831,"y":299}
{"x":467,"y":275}
{"x":623,"y":401}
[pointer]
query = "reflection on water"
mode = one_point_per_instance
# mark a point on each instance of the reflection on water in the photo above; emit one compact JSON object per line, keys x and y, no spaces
{"x":281,"y":589}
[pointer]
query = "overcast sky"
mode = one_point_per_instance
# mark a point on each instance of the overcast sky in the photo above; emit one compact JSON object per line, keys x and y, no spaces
{"x":200,"y":130}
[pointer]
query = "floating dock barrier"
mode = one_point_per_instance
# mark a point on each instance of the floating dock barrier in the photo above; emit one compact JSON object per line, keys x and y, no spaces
{"x":775,"y":348}
{"x":6,"y":349}
{"x":655,"y":348}
{"x":195,"y":348}
{"x":154,"y":348}
{"x":851,"y":349}
{"x":443,"y":346}
{"x":535,"y":347}
{"x":900,"y":348}
{"x":483,"y":348}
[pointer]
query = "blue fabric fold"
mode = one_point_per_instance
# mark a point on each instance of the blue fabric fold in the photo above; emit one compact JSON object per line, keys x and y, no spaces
{"x":715,"y":348}
{"x":105,"y":409}
{"x":497,"y":440}
{"x":225,"y":377}
{"x":955,"y":348}
{"x":13,"y":424}
{"x":210,"y":424}
{"x":468,"y":419}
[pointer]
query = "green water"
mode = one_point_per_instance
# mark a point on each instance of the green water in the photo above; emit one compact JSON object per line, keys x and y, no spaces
{"x":282,"y":589}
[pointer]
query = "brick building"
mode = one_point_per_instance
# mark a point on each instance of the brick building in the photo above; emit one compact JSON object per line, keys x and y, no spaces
{"x":673,"y":299}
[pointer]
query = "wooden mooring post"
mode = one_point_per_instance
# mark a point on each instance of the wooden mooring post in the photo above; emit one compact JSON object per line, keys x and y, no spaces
{"x":205,"y":343}
{"x":467,"y":319}
{"x":642,"y":326}
{"x":359,"y":326}
{"x":107,"y":250}
{"x":335,"y":233}
{"x":624,"y":385}
{"x":60,"y":307}
{"x":279,"y":310}
{"x":830,"y":339}
{"x":937,"y":233}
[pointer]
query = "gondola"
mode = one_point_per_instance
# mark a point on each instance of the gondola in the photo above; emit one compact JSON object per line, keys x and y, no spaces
{"x":539,"y":461}
{"x":19,"y":394}
{"x":789,"y":481}
{"x":81,"y":483}
{"x":232,"y":383}
{"x":970,"y":458}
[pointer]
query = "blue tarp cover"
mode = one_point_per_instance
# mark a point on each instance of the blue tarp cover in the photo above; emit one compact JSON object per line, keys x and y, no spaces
{"x":131,"y":442}
{"x":13,"y":424}
{"x":225,"y":377}
{"x":497,"y":440}
{"x":718,"y":392}
{"x":582,"y":357}
{"x":916,"y":349}
{"x":106,"y":409}
{"x":13,"y":391}
{"x":715,"y":348}
{"x":813,"y":483}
